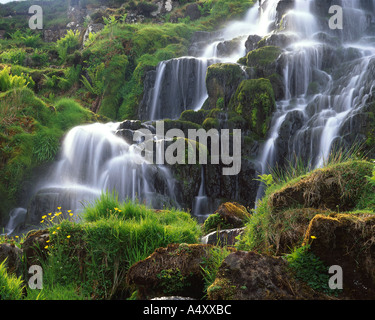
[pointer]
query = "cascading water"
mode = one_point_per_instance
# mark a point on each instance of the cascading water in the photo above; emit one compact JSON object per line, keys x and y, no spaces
{"x":94,"y":160}
{"x":201,"y":205}
{"x":180,"y":83}
{"x":318,"y":117}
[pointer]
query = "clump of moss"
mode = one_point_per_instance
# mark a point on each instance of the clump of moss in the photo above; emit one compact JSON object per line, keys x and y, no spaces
{"x":262,"y":57}
{"x":222,"y":80}
{"x":254,"y":100}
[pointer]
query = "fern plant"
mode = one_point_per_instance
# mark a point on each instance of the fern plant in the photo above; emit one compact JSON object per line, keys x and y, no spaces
{"x":9,"y":81}
{"x":96,"y":85}
{"x":67,"y":44}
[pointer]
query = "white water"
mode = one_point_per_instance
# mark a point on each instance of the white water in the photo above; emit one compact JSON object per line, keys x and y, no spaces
{"x":94,"y":160}
{"x":201,"y":208}
{"x":253,"y":23}
{"x":333,"y":106}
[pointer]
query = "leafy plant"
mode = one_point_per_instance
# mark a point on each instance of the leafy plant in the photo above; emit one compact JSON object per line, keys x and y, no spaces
{"x":8,"y":81}
{"x":309,"y":268}
{"x":67,"y":44}
{"x":94,"y":83}
{"x":267,"y":179}
{"x":210,"y":265}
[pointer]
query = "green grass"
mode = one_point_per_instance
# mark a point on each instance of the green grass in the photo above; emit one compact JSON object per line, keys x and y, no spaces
{"x":10,"y":286}
{"x":266,"y":226}
{"x":90,"y":256}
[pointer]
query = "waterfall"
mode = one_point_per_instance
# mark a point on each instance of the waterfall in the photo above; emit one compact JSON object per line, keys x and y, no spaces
{"x":322,"y":115}
{"x":93,"y":160}
{"x":179,"y":86}
{"x":180,"y":83}
{"x":201,"y":204}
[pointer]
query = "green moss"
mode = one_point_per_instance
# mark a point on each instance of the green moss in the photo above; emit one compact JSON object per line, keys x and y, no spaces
{"x":222,"y":80}
{"x":211,"y":123}
{"x":214,"y":222}
{"x":221,"y":289}
{"x":262,"y":57}
{"x":276,"y":228}
{"x":194,"y":116}
{"x":254,"y":101}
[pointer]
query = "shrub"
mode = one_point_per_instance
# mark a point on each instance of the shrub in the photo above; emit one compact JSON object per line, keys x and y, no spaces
{"x":67,"y":44}
{"x":8,"y":81}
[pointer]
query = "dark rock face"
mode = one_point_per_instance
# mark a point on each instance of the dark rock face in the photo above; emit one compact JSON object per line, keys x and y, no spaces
{"x":226,"y":237}
{"x":199,"y":41}
{"x":174,"y":270}
{"x":346,"y":240}
{"x":12,"y":255}
{"x":282,"y":8}
{"x":294,"y":121}
{"x":192,"y":11}
{"x":251,"y":276}
{"x":252,"y":42}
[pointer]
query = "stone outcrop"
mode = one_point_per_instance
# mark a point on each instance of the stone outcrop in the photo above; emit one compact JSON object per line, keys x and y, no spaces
{"x":250,"y":276}
{"x":347,"y":241}
{"x":174,"y":270}
{"x":12,"y":255}
{"x":333,"y":188}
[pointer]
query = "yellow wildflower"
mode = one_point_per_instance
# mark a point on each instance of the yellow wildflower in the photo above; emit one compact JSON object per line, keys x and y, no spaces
{"x":44,"y":217}
{"x":313,"y":237}
{"x":68,"y":237}
{"x":46,"y":247}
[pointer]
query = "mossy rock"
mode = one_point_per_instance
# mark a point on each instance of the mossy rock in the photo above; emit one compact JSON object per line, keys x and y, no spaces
{"x":252,"y":276}
{"x":254,"y":100}
{"x":346,"y":240}
{"x":194,"y":116}
{"x":229,"y":215}
{"x":222,"y":80}
{"x":343,"y":187}
{"x":211,"y":123}
{"x":264,"y":60}
{"x":263,"y":57}
{"x":174,"y":270}
{"x":180,"y":124}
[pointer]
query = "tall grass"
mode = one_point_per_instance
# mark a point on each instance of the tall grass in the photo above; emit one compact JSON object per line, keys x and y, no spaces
{"x":10,"y":286}
{"x":95,"y":253}
{"x":265,"y":227}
